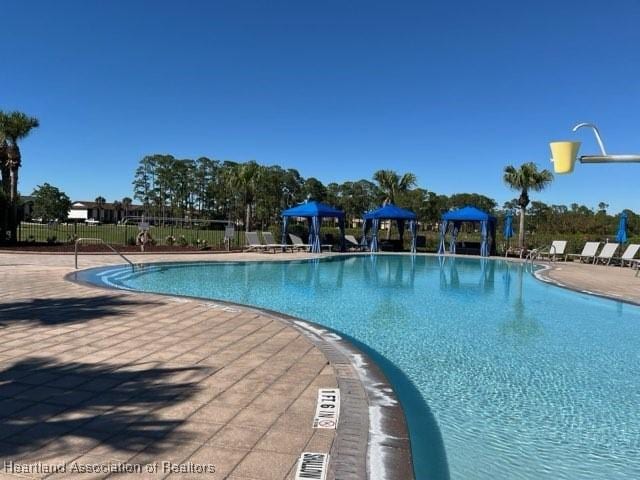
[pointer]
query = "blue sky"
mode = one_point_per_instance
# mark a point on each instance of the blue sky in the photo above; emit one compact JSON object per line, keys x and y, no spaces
{"x":451,"y":91}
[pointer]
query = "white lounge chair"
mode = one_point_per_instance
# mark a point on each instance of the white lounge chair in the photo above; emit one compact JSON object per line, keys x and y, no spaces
{"x":253,"y":242}
{"x":352,"y":243}
{"x":588,"y":252}
{"x":516,"y":251}
{"x":270,"y":243}
{"x":628,"y":257}
{"x":298,"y":244}
{"x":556,"y":250}
{"x":607,"y":253}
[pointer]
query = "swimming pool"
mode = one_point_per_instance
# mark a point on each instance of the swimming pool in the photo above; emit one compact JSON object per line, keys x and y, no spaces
{"x":500,"y":375}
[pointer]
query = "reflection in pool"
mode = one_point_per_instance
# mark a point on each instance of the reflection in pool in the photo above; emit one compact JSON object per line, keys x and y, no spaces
{"x":500,"y":375}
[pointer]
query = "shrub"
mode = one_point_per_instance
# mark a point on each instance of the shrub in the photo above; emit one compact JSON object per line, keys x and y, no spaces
{"x":182,"y":241}
{"x":131,"y":241}
{"x":170,"y":240}
{"x":51,"y":239}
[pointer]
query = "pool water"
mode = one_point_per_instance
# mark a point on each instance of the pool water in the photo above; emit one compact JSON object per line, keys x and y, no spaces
{"x":501,"y":376}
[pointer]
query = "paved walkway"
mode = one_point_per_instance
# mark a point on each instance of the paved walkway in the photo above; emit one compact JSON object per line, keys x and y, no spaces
{"x":609,"y":281}
{"x":89,"y":376}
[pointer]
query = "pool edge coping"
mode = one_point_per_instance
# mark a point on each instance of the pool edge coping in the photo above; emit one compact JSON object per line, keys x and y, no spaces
{"x":362,"y":385}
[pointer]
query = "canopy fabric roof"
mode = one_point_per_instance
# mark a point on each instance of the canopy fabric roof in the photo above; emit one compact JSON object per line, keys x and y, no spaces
{"x":390,"y":212}
{"x":313,"y":209}
{"x":468,"y":214}
{"x":314,"y":212}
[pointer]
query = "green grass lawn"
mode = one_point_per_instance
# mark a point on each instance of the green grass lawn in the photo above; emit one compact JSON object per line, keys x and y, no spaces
{"x":120,"y":234}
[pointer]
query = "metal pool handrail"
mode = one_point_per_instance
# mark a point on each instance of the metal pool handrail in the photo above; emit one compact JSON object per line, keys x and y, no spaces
{"x":531,"y":256}
{"x":535,"y":254}
{"x":80,"y":240}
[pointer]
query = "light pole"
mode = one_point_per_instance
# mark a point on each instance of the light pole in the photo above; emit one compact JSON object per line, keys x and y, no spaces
{"x":565,"y":153}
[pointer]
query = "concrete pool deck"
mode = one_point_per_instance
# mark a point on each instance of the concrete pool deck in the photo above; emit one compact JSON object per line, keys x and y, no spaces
{"x":87,"y":377}
{"x":603,"y":280}
{"x":92,"y":376}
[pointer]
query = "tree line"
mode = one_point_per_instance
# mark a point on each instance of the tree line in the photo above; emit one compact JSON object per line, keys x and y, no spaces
{"x":255,"y":194}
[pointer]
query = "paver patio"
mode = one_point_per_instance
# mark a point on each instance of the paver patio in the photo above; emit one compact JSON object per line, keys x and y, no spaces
{"x":90,"y":376}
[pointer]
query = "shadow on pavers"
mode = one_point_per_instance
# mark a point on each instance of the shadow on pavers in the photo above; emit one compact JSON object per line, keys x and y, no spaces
{"x":53,"y":311}
{"x":42,"y":400}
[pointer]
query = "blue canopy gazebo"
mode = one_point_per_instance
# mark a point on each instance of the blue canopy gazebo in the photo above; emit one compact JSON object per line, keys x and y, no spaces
{"x":314,"y":212}
{"x":389,"y":212}
{"x":453,"y":219}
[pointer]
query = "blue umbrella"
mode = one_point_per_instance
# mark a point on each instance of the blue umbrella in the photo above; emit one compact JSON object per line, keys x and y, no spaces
{"x":621,"y":236}
{"x":508,"y":225}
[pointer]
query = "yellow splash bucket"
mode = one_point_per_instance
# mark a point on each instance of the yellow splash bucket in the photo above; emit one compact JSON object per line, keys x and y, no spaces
{"x":563,"y":156}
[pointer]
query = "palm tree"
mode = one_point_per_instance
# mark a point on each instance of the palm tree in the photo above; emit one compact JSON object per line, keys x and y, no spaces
{"x":4,"y":157}
{"x":100,"y":201}
{"x":126,"y":204}
{"x":117,"y":206}
{"x":526,"y":178}
{"x":391,"y":185}
{"x":4,"y":173}
{"x":16,"y":126}
{"x":5,"y":186}
{"x":244,"y":178}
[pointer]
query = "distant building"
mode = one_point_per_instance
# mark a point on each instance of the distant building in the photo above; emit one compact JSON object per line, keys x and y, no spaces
{"x":83,"y":211}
